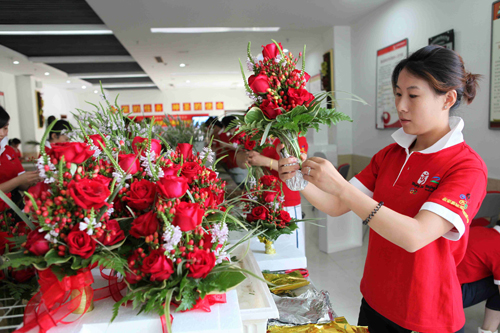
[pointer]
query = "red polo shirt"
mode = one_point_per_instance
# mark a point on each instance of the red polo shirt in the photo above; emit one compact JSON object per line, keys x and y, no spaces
{"x":420,"y":291}
{"x":482,"y":258}
{"x":292,"y":198}
{"x":10,"y":166}
{"x":230,"y":159}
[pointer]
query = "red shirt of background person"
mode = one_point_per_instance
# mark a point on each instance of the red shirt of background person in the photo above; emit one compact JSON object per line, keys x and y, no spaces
{"x":418,"y":197}
{"x":230,"y":159}
{"x":12,"y":174}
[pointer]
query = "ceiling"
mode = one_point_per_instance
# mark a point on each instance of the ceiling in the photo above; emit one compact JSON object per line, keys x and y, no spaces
{"x":211,"y":58}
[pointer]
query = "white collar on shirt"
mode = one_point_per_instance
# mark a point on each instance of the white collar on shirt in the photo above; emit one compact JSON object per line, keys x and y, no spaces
{"x":497,"y":228}
{"x":47,"y":144}
{"x":3,"y":144}
{"x":453,"y":137}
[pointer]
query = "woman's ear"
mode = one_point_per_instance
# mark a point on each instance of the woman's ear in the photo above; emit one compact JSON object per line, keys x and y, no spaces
{"x":450,"y":99}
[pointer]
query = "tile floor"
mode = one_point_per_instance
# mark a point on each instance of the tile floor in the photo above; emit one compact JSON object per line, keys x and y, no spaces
{"x":340,"y":274}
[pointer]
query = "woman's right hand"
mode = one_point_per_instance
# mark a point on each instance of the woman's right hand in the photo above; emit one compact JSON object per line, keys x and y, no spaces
{"x":29,"y":179}
{"x":286,"y":171}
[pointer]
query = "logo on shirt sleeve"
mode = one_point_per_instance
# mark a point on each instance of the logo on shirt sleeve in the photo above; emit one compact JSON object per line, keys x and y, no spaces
{"x":462,"y":204}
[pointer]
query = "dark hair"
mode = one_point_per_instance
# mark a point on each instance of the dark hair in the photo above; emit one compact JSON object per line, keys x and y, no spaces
{"x":227,"y":120}
{"x":50,"y":120}
{"x":212,"y":122}
{"x":4,"y":117}
{"x":15,"y":141}
{"x":58,"y":127}
{"x":443,"y":69}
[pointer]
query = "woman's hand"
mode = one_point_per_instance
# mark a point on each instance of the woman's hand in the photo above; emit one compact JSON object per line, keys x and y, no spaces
{"x":256,"y":159}
{"x":28,"y":179}
{"x":288,"y":166}
{"x":324,"y":175}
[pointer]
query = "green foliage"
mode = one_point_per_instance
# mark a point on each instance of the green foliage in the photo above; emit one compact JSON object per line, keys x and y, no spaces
{"x":188,"y":299}
{"x":108,"y":260}
{"x":25,"y":261}
{"x":20,"y":291}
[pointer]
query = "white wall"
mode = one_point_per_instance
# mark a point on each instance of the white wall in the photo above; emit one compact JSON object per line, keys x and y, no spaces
{"x":8,"y":87}
{"x":418,"y":20}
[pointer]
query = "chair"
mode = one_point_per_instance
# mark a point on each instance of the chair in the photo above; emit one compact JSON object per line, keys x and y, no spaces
{"x":344,"y":169}
{"x":489,"y":208}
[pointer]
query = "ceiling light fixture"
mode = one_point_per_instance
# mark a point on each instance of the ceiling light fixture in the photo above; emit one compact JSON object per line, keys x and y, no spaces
{"x":95,"y":91}
{"x":187,"y":81}
{"x":182,"y":65}
{"x":68,"y":81}
{"x":106,"y":75}
{"x":54,"y":29}
{"x":213,"y":30}
{"x":15,"y":62}
{"x":84,"y":87}
{"x":47,"y":73}
{"x":128,"y":85}
{"x":285,"y":50}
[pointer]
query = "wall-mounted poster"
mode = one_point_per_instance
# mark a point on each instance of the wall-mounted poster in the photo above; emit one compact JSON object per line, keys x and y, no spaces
{"x":197,"y":106}
{"x":126,"y":108}
{"x":176,"y":106}
{"x":219,"y":105}
{"x":136,"y":108}
{"x":148,"y":108}
{"x":386,"y":115}
{"x":186,"y":106}
{"x":209,"y":106}
{"x":446,"y":39}
{"x":39,"y":108}
{"x":159,"y":107}
{"x":495,"y":68}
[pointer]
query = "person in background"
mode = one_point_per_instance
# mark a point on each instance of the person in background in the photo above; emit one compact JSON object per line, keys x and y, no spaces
{"x":58,"y":134}
{"x":237,"y":174}
{"x":479,"y":274}
{"x":214,"y":128}
{"x":50,"y":120}
{"x":12,"y":174}
{"x":14,"y":143}
{"x":418,"y":197}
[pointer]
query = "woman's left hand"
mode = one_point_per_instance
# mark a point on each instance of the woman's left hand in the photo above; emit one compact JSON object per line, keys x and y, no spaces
{"x":323,"y":175}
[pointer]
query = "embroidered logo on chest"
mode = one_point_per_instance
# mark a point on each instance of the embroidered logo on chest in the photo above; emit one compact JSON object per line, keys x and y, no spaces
{"x":423,"y":178}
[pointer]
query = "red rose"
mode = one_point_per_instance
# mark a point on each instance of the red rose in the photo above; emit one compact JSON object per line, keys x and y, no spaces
{"x":268,"y":180}
{"x":81,"y":244}
{"x":259,"y":84}
{"x":3,"y":204}
{"x":202,"y":263}
{"x":185,"y":149}
{"x":258,"y":213}
{"x":130,"y":276}
{"x":159,"y":266}
{"x":269,"y":196}
{"x":23,"y":275}
{"x":270,"y":50}
{"x":220,"y":197}
{"x":211,"y":175}
{"x":190,"y":170}
{"x":141,"y":195}
{"x":285,"y":216}
{"x":207,"y":242}
{"x":88,"y":193}
{"x":4,"y":242}
{"x":188,"y":216}
{"x":270,"y":109}
{"x":209,"y":196}
{"x":250,"y":144}
{"x":299,"y":96}
{"x":145,"y":225}
{"x":129,"y":163}
{"x":113,"y":234}
{"x":297,"y":73}
{"x":172,"y":186}
{"x":171,"y":170}
{"x":73,"y":152}
{"x":140,"y":145}
{"x":97,"y":140}
{"x":103,"y":179}
{"x":37,"y":190}
{"x":36,"y":243}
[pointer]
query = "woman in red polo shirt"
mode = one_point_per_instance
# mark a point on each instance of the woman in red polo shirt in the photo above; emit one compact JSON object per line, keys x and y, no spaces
{"x":418,"y":196}
{"x":12,"y":174}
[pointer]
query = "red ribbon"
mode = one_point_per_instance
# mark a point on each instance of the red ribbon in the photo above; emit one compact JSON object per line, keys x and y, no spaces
{"x":52,"y":304}
{"x":114,"y":287}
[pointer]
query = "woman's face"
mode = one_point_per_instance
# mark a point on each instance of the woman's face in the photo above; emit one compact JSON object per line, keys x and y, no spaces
{"x":420,"y":109}
{"x":59,"y":139}
{"x":4,"y":131}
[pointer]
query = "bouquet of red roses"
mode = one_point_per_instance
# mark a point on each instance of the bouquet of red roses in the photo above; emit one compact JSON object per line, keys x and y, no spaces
{"x":263,"y":210}
{"x":282,"y":105}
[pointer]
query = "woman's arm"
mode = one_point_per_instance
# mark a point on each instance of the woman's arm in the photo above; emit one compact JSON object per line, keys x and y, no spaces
{"x":257,"y":159}
{"x":23,"y":181}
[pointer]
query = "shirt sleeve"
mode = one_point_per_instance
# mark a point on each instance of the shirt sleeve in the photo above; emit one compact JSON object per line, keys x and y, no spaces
{"x":366,"y":179}
{"x":458,"y":198}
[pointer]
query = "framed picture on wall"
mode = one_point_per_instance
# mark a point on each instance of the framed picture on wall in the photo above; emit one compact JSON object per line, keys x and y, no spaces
{"x":386,"y":115}
{"x":445,"y":39}
{"x":39,"y":109}
{"x":2,"y":100}
{"x":495,"y":68}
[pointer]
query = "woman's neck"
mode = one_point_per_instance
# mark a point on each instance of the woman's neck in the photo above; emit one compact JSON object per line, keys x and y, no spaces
{"x":428,"y":139}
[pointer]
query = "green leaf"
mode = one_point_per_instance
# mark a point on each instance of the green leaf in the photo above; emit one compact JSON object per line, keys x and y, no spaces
{"x":221,"y":282}
{"x":254,"y":115}
{"x":53,"y":258}
{"x":188,"y":300}
{"x":266,"y":133}
{"x":20,"y":261}
{"x":16,"y":209}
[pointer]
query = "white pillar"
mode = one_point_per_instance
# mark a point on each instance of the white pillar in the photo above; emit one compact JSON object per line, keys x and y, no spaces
{"x":26,"y":102}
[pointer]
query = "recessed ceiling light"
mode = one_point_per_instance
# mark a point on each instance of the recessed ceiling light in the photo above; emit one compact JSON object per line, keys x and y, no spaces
{"x":84,"y":87}
{"x":47,"y":73}
{"x":106,"y":75}
{"x":15,"y":62}
{"x":182,"y":65}
{"x":285,"y":50}
{"x":36,"y":29}
{"x":95,"y":91}
{"x":212,"y":30}
{"x":68,"y":81}
{"x":187,"y":81}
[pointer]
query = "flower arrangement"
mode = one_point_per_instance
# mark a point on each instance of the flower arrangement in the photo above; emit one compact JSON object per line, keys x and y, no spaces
{"x":282,"y":105}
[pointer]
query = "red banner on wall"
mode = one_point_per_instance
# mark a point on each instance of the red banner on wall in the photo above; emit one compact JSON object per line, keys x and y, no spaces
{"x":125,"y":108}
{"x":186,"y":106}
{"x":197,"y":106}
{"x":176,"y":106}
{"x":148,"y":108}
{"x":209,"y":106}
{"x":219,"y":105}
{"x":159,"y":107}
{"x":136,"y":108}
